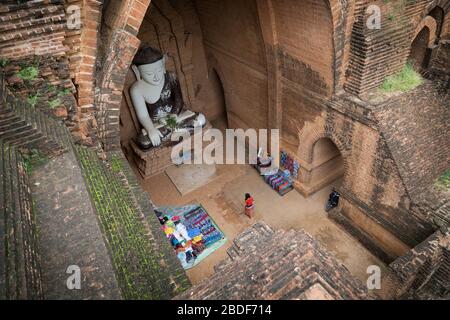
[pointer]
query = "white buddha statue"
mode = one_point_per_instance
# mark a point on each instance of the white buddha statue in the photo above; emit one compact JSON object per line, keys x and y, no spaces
{"x":156,"y":95}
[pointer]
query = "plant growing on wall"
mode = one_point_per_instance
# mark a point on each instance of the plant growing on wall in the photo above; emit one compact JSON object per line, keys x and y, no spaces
{"x":32,"y":159}
{"x":54,"y":103}
{"x":4,"y":62}
{"x":443,"y":182}
{"x":28,"y":73}
{"x":33,"y":99}
{"x":64,"y":92}
{"x":397,"y":9}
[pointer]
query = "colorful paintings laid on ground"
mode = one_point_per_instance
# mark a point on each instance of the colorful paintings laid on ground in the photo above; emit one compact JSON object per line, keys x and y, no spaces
{"x":192,"y":233}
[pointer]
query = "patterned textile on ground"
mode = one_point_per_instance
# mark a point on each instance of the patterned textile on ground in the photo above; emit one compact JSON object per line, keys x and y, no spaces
{"x":192,"y":233}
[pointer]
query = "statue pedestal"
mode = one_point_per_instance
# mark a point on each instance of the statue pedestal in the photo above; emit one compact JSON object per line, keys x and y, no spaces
{"x":156,"y":160}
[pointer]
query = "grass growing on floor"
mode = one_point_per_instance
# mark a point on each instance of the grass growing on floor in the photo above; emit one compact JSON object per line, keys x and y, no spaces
{"x":404,"y":81}
{"x":443,"y":182}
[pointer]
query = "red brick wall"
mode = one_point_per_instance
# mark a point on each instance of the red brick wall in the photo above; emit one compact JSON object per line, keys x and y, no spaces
{"x":442,"y":58}
{"x":233,"y":26}
{"x":305,"y":32}
{"x":39,"y":29}
{"x":378,"y":53}
{"x":446,"y":27}
{"x":73,"y":41}
{"x":120,"y":26}
{"x":33,"y":34}
{"x":91,"y":17}
{"x":234,"y":45}
{"x":33,"y":28}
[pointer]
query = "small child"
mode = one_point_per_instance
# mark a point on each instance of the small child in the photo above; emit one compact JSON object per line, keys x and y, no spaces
{"x":249,"y":205}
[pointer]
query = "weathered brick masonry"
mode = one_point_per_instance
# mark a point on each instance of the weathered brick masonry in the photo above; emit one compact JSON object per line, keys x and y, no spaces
{"x":288,"y":71}
{"x":33,"y":35}
{"x":377,"y":53}
{"x":36,"y":33}
{"x":423,"y":272}
{"x":264,"y":264}
{"x":22,"y":127}
{"x":309,"y":68}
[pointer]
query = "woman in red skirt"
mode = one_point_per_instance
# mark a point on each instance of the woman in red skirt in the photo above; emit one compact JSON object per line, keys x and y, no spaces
{"x":249,"y":205}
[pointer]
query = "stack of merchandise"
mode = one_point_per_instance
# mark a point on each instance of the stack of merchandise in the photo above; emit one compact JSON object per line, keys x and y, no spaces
{"x":279,"y":182}
{"x":191,"y":232}
{"x":290,"y":164}
{"x":199,"y":219}
{"x":188,"y":244}
{"x":286,"y":173}
{"x":295,"y":169}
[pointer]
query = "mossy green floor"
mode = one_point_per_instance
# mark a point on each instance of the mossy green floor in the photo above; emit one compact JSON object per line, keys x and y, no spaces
{"x":138,"y":262}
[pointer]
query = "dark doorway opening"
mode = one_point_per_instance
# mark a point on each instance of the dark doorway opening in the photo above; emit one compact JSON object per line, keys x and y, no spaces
{"x":418,"y":54}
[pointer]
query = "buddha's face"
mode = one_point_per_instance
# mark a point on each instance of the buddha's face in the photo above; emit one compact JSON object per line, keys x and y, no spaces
{"x":153,"y":73}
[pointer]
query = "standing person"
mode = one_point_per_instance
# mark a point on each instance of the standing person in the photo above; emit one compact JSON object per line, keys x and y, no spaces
{"x":249,"y":205}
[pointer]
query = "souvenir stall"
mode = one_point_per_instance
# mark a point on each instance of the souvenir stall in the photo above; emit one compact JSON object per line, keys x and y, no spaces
{"x":192,"y":232}
{"x":279,"y":180}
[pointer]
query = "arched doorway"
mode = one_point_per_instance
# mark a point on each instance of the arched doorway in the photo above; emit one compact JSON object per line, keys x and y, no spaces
{"x":438,"y":14}
{"x":322,"y":165}
{"x":218,"y":107}
{"x":327,"y":162}
{"x":418,"y":54}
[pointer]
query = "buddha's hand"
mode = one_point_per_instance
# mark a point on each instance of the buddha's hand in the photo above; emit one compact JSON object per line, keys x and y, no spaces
{"x":155,"y":136}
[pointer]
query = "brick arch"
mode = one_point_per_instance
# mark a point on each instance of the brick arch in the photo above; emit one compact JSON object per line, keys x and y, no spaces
{"x":444,"y":4}
{"x":309,"y":137}
{"x":432,"y":25}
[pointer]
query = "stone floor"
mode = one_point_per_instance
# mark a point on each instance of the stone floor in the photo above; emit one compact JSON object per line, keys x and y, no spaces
{"x":69,"y":233}
{"x":223,"y":198}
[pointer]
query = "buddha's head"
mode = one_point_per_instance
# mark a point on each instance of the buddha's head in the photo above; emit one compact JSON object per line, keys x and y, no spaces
{"x":151,"y":65}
